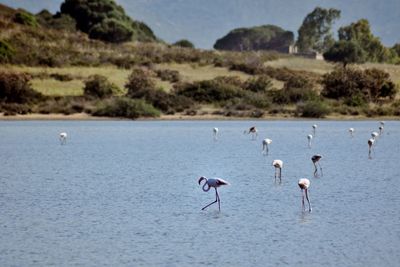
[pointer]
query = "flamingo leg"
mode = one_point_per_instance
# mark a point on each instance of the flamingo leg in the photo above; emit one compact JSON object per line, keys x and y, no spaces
{"x":267,"y":150}
{"x":302,"y":200}
{"x":280,"y":174}
{"x":308,"y":200}
{"x":219,"y":201}
{"x":316,"y":170}
{"x":320,"y":168}
{"x":216,"y":200}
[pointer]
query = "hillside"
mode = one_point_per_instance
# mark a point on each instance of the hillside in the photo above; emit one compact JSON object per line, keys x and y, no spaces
{"x":70,"y":73}
{"x":266,"y":37}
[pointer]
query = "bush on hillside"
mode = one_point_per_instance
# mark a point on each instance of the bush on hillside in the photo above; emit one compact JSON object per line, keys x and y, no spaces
{"x":258,"y":84}
{"x":172,"y":76}
{"x":124,"y":107}
{"x":139,"y":82}
{"x":15,"y":88}
{"x":98,"y":86}
{"x":7,"y":52}
{"x":25,"y":18}
{"x":184,"y":43}
{"x":313,"y":109}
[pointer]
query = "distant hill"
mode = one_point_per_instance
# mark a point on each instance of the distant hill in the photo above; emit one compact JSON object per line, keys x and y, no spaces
{"x":266,"y":37}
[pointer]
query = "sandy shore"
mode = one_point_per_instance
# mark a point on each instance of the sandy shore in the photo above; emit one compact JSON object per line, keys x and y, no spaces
{"x":84,"y":116}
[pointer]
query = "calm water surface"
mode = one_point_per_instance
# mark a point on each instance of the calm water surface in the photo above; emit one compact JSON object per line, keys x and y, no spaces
{"x":126,"y":194}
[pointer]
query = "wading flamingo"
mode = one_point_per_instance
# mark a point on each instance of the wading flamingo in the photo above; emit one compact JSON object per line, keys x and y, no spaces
{"x":315,"y":159}
{"x":215,"y":131}
{"x":278,"y":164}
{"x":370,"y":144}
{"x":351,"y":131}
{"x":380,"y":130}
{"x":63,"y":138}
{"x":314,"y":128}
{"x":213,"y":182}
{"x":309,"y":137}
{"x":253,"y":131}
{"x":382,"y":123}
{"x":304,"y":184}
{"x":265,"y":144}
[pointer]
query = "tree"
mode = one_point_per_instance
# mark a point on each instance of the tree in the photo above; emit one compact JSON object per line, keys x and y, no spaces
{"x":105,"y":20}
{"x":346,"y":52}
{"x":315,"y":32}
{"x":184,"y":43}
{"x":360,"y":33}
{"x":98,"y":86}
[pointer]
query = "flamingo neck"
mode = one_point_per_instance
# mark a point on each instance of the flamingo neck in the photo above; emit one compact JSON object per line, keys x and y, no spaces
{"x":206,"y":187}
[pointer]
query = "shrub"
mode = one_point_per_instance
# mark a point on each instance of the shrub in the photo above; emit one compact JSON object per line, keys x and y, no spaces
{"x":98,"y":86}
{"x":61,"y":77}
{"x":169,"y":75}
{"x":258,"y":84}
{"x":126,"y":108}
{"x":139,"y":82}
{"x":216,"y":90}
{"x":184,"y":43}
{"x":313,"y":109}
{"x":15,"y":88}
{"x":25,"y":18}
{"x":6,"y":52}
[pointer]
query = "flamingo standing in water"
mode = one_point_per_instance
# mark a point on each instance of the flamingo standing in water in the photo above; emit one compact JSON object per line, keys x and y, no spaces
{"x":309,"y":137}
{"x":215,"y":131}
{"x":315,"y":159}
{"x":370,"y":144}
{"x":253,"y":131}
{"x":314,"y":128}
{"x":265,"y":144}
{"x":382,"y":123}
{"x":215,"y":183}
{"x":304,"y":184}
{"x":63,"y":138}
{"x":351,"y":131}
{"x":380,"y":130}
{"x":278,"y":164}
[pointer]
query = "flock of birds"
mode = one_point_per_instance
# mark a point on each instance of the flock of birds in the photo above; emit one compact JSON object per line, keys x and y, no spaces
{"x":303,"y":183}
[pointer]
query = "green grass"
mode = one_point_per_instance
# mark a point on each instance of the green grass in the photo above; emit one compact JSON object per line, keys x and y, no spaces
{"x":53,"y":87}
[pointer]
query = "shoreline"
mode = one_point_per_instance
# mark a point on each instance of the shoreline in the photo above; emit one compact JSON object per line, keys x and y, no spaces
{"x":180,"y":117}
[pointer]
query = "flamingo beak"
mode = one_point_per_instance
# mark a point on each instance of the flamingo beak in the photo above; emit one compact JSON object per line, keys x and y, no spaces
{"x":201,"y":179}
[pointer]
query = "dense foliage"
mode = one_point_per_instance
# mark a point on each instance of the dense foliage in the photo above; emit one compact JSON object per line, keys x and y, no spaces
{"x":184,"y":43}
{"x":105,"y":20}
{"x":98,"y":86}
{"x":267,"y":37}
{"x":15,"y":88}
{"x":315,"y":32}
{"x":369,"y":85}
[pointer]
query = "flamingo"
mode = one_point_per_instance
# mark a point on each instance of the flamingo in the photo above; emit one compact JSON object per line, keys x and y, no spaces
{"x":63,"y":138}
{"x":215,"y":131}
{"x":382,"y":123}
{"x":252,"y":130}
{"x":351,"y":131}
{"x":315,"y":159}
{"x":265,"y":144}
{"x":304,"y":184}
{"x":278,"y":164}
{"x":314,"y":128}
{"x":374,"y":135}
{"x":309,"y":137}
{"x":380,"y":130}
{"x":212,"y":182}
{"x":370,"y":144}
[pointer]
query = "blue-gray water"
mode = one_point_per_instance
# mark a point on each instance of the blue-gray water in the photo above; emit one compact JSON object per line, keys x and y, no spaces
{"x":126,"y":194}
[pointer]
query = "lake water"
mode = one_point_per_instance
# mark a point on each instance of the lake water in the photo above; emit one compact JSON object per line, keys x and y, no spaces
{"x":125,"y":193}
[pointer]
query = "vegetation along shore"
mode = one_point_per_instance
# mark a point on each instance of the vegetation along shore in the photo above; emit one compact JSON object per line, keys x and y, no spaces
{"x":70,"y":66}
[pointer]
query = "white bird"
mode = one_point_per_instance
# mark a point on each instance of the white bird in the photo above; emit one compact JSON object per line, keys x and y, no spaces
{"x":215,"y":131}
{"x":253,"y":131}
{"x":370,"y":144}
{"x":304,"y":184}
{"x":351,"y":131}
{"x":265,"y":144}
{"x":309,"y":137}
{"x":382,"y":123}
{"x":374,"y":135}
{"x":314,"y":128}
{"x":315,"y":159}
{"x":215,"y":183}
{"x":278,"y":164}
{"x":63,"y":138}
{"x":380,"y":130}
